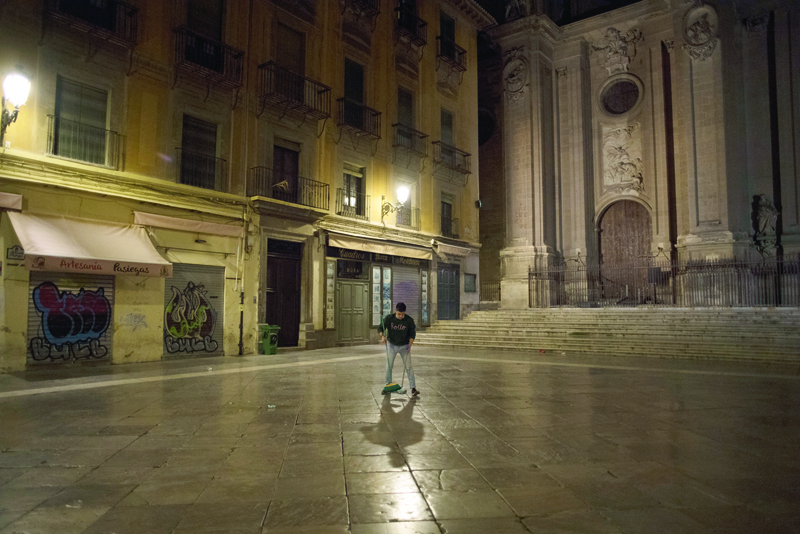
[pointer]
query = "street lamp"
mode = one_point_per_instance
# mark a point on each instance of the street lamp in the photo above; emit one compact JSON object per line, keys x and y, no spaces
{"x":388,"y":207}
{"x":15,"y":90}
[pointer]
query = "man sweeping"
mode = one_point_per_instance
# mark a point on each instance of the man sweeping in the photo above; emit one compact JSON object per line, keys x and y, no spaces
{"x":399,"y":330}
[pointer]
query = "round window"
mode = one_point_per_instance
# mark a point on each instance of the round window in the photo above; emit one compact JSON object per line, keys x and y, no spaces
{"x":620,"y":97}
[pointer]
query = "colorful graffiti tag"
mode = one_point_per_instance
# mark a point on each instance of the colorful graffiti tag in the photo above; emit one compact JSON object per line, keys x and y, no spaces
{"x":72,"y":325}
{"x":189,"y":321}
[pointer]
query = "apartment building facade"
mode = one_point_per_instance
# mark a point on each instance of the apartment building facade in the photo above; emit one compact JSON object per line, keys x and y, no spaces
{"x":183,"y":172}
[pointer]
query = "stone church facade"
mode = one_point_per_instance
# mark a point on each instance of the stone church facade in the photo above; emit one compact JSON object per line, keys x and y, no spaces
{"x":658,"y":129}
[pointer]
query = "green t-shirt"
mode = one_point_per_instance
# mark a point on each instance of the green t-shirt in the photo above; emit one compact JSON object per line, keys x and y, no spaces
{"x":398,"y":331}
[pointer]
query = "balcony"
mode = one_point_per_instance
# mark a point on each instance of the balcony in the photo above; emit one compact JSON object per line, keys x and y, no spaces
{"x":353,"y":205}
{"x":449,"y":52}
{"x":408,"y":218}
{"x":359,"y":119}
{"x":409,"y":139}
{"x":81,"y":142}
{"x":207,"y":58}
{"x":449,"y":161}
{"x":449,"y":227}
{"x":370,"y":8}
{"x":200,"y":170}
{"x":411,"y":27}
{"x":281,"y":87}
{"x":264,"y":182}
{"x":111,"y":20}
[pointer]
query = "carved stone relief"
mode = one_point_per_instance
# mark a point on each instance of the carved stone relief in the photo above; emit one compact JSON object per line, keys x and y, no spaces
{"x":619,"y":48}
{"x":669,"y":44}
{"x":757,"y":24}
{"x":765,"y":220}
{"x":561,"y":72}
{"x":515,"y":73}
{"x":700,"y":28}
{"x":516,"y":9}
{"x":622,"y":158}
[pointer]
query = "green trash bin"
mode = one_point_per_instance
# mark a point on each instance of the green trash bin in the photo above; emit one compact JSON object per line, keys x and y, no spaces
{"x":269,"y":338}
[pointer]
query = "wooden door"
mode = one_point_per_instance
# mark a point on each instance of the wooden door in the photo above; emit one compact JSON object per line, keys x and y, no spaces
{"x":352,"y":297}
{"x":448,"y":294}
{"x":625,"y":238}
{"x":283,"y":298}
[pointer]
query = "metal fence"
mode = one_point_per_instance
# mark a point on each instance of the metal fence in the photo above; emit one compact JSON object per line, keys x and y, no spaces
{"x":726,"y":282}
{"x":74,"y":140}
{"x":285,"y":88}
{"x":265,"y":182}
{"x":490,"y":290}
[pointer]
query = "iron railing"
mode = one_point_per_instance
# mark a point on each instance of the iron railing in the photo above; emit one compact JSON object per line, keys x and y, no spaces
{"x":359,"y":119}
{"x":208,"y":58}
{"x":200,"y":170}
{"x":727,"y":282}
{"x":448,"y":51}
{"x":490,"y":291}
{"x":450,"y":227}
{"x":110,"y":19}
{"x":282,"y":87}
{"x":264,"y":182}
{"x":410,"y":139}
{"x":408,"y":217}
{"x":411,"y":26}
{"x":367,"y":7}
{"x":81,"y":142}
{"x":452,"y":158}
{"x":353,"y":205}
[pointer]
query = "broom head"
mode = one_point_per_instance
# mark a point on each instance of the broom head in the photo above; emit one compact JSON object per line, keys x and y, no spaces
{"x":392,"y":386}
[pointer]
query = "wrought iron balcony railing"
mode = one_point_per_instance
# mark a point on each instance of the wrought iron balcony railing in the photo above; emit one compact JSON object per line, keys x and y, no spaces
{"x":370,"y":8}
{"x":408,"y":218}
{"x":282,"y":87}
{"x":207,"y":58}
{"x":81,"y":142}
{"x":112,"y":20}
{"x":264,"y":182}
{"x":354,"y":205}
{"x":452,"y":54}
{"x":450,"y":227}
{"x":410,"y":139}
{"x":359,"y":119}
{"x":452,"y":158}
{"x":411,"y":26}
{"x":200,"y":170}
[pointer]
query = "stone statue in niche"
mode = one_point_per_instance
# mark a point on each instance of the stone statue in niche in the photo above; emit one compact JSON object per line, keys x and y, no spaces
{"x":765,"y":220}
{"x":516,"y":9}
{"x":620,"y":48}
{"x":622,"y":157}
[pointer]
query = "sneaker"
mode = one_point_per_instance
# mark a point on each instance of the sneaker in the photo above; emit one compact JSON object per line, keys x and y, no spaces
{"x":414,"y":392}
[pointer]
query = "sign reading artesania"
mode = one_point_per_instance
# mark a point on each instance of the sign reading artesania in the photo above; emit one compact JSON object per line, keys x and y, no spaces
{"x":78,"y":265}
{"x":15,"y":253}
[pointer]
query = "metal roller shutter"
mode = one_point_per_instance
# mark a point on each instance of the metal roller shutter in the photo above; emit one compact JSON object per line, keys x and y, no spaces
{"x":406,"y":288}
{"x":70,"y":317}
{"x":194,"y":308}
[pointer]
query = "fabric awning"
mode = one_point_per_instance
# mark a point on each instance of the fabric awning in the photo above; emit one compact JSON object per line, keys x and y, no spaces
{"x":202,"y":227}
{"x":379,"y":247}
{"x":451,"y":250}
{"x":70,"y":245}
{"x":10,"y":201}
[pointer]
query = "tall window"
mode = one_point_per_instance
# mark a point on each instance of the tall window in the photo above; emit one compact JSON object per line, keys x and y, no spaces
{"x":79,"y":129}
{"x":353,"y":187}
{"x":354,"y":94}
{"x":285,"y":172}
{"x":447,"y":155}
{"x":203,"y":46}
{"x":290,"y":54}
{"x":447,"y":215}
{"x":407,"y":15}
{"x":447,"y":32}
{"x":199,"y":163}
{"x":405,"y":108}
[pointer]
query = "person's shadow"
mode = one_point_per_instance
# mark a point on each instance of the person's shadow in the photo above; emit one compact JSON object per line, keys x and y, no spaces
{"x":404,"y":428}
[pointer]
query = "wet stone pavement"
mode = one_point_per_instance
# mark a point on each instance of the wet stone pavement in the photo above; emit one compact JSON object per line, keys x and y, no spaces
{"x":498,"y":442}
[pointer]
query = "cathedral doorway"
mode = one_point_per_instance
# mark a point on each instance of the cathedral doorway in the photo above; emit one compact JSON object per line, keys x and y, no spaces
{"x":625,"y":235}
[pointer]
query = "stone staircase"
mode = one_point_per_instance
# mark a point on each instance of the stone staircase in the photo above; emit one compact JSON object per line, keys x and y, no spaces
{"x":768,"y":334}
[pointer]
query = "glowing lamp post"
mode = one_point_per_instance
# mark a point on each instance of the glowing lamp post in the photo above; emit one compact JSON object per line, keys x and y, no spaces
{"x":15,"y":91}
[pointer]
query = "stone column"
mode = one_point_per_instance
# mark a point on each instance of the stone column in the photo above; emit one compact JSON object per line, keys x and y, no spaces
{"x":529,"y":154}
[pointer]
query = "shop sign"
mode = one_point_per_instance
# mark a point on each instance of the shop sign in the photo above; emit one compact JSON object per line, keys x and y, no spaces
{"x":410,"y":262}
{"x":15,"y":253}
{"x":347,"y":254}
{"x":350,"y":269}
{"x":382,"y":258}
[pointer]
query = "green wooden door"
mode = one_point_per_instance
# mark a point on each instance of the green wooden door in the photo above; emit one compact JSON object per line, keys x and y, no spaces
{"x":353,"y":309}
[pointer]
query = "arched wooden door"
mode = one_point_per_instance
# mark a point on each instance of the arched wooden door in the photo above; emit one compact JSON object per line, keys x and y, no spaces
{"x":625,"y":235}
